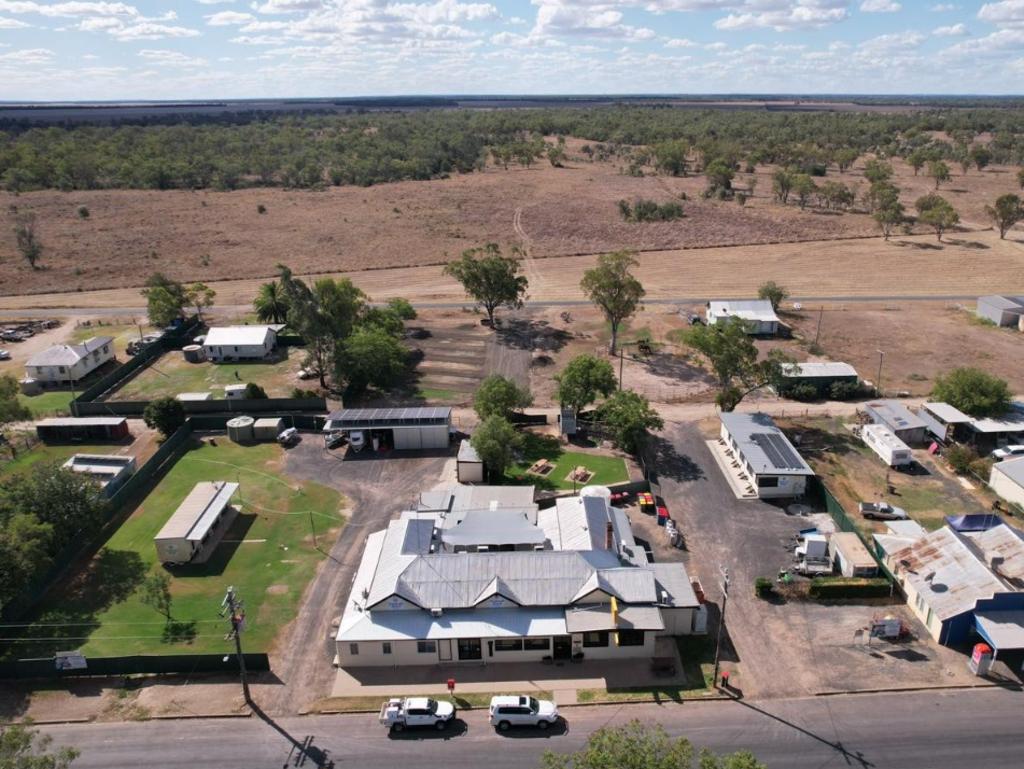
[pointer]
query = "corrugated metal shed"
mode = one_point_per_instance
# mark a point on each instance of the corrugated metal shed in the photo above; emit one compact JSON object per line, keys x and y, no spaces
{"x":359,"y":419}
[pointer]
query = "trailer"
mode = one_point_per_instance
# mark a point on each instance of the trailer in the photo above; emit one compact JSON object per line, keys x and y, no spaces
{"x":886,"y":445}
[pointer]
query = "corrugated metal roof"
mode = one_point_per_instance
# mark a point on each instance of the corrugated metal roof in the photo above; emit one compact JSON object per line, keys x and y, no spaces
{"x":1003,"y":302}
{"x":81,"y":422}
{"x":232,"y":336}
{"x":1004,"y":629}
{"x":748,"y":309}
{"x":948,"y":414}
{"x":467,"y":453}
{"x":590,"y":619}
{"x":198,"y":511}
{"x":493,"y":527}
{"x":895,"y":415}
{"x":472,"y":623}
{"x":1002,"y":548}
{"x":1012,"y":469}
{"x":68,"y":354}
{"x":763,"y":445}
{"x":347,"y":419}
{"x":1010,"y":422}
{"x":818,"y":368}
{"x":674,"y":587}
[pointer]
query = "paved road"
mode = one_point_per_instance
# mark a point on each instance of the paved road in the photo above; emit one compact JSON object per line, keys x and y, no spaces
{"x":932,"y":730}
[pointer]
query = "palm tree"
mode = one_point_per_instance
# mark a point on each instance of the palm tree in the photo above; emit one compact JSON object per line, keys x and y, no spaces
{"x":271,"y":304}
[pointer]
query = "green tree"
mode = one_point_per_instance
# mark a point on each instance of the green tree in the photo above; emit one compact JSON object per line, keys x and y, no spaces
{"x":156,"y":593}
{"x":611,"y":286}
{"x":803,"y":187}
{"x":974,"y":392}
{"x":1020,"y":178}
{"x":11,"y":409}
{"x":628,"y":417}
{"x":200,"y":296}
{"x":496,"y":441}
{"x":876,"y":170}
{"x":1007,"y":211}
{"x":165,"y":415}
{"x":25,"y":547}
{"x":980,"y":155}
{"x":500,"y":396}
{"x":490,"y":278}
{"x":271,"y":304}
{"x":165,"y":299}
{"x":670,"y":157}
{"x":583,"y":381}
{"x":719,"y":174}
{"x":733,"y":357}
{"x":883,"y":198}
{"x":936,"y":212}
{"x":372,"y":358}
{"x":845,"y":158}
{"x":917,"y":159}
{"x":640,"y":746}
{"x":70,"y":502}
{"x":22,"y":747}
{"x":773,"y":292}
{"x":27,"y":239}
{"x":782,"y":185}
{"x":254,"y":392}
{"x":938,"y":171}
{"x":402,"y":308}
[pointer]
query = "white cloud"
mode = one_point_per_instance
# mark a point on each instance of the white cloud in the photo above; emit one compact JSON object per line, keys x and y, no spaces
{"x":6,"y":23}
{"x":784,"y":15}
{"x":71,"y":9}
{"x":27,"y":56}
{"x":228,"y":18}
{"x":215,"y":2}
{"x":896,"y":41}
{"x":560,"y":20}
{"x":171,"y":58}
{"x":943,"y":8}
{"x":954,"y":30}
{"x":287,"y":6}
{"x":1006,"y":13}
{"x":716,"y":46}
{"x":880,"y":6}
{"x":679,"y":42}
{"x":993,"y":45}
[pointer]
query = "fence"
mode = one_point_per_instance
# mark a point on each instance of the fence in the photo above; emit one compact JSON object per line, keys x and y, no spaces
{"x":528,"y":419}
{"x":816,"y":489}
{"x":225,"y":405}
{"x":135,"y":665}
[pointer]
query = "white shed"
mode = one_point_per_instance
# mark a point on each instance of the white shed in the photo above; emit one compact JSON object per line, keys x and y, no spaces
{"x":228,"y":343}
{"x":758,"y":314}
{"x":402,"y":429}
{"x":194,"y":529}
{"x":470,"y":468}
{"x":1007,"y":480}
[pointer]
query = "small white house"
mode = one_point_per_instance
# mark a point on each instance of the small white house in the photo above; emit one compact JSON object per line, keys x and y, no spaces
{"x":1007,"y":480}
{"x":884,"y":442}
{"x":758,"y":314}
{"x":1001,"y":310}
{"x":67,"y":363}
{"x":229,"y":343}
{"x":764,"y":453}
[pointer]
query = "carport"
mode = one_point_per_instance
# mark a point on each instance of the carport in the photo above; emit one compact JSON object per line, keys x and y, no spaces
{"x":402,"y":429}
{"x":1004,"y":632}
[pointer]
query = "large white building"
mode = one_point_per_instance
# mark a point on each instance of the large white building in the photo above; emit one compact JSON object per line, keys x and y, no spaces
{"x":758,"y":314}
{"x":69,"y":363}
{"x":496,"y":580}
{"x":764,"y":454}
{"x":227,"y":343}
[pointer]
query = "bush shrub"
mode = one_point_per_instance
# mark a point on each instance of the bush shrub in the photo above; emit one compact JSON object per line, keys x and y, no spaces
{"x":960,"y":457}
{"x":849,"y":587}
{"x":261,"y":209}
{"x":804,"y":392}
{"x":844,"y":391}
{"x":299,"y":393}
{"x":253,"y":391}
{"x":763,"y":587}
{"x":649,"y":211}
{"x":83,"y":212}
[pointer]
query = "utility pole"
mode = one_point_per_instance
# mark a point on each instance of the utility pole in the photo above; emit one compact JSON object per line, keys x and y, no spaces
{"x":233,"y":608}
{"x":721,"y":622}
{"x":878,"y":382}
{"x":817,"y":333}
{"x":620,"y":366}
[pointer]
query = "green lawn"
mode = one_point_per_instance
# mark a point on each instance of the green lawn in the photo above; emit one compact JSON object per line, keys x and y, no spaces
{"x":607,"y":470}
{"x":441,"y":395}
{"x":46,"y":404}
{"x":171,"y":374}
{"x":268,"y":555}
{"x":41,"y":452}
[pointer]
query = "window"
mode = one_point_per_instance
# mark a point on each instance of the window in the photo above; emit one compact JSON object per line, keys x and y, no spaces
{"x":508,"y":645}
{"x":386,"y":647}
{"x":536,"y":644}
{"x":61,"y":369}
{"x":928,"y":621}
{"x":769,"y":481}
{"x":353,"y":649}
{"x":631,"y":638}
{"x":599,"y":638}
{"x":426,"y":647}
{"x":919,"y":602}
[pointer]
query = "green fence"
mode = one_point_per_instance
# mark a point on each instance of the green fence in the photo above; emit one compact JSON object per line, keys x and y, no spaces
{"x":817,"y":490}
{"x":223,"y":406}
{"x":135,"y":665}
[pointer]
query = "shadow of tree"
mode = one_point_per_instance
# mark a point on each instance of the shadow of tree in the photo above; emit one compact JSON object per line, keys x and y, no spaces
{"x":179,"y":632}
{"x":669,"y":463}
{"x":917,"y":244}
{"x":974,"y":244}
{"x":524,"y":334}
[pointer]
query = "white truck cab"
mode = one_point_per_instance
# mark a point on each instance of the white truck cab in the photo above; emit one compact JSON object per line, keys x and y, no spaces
{"x":399,"y":714}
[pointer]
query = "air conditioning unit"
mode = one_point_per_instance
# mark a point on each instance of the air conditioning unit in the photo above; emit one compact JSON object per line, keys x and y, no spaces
{"x":436,"y":612}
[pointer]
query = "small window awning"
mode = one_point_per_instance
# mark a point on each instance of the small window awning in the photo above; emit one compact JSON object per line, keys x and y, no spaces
{"x":1004,"y":630}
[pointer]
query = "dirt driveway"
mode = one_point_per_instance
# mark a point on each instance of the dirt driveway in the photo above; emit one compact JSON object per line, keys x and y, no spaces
{"x":783,"y":649}
{"x":377,"y":489}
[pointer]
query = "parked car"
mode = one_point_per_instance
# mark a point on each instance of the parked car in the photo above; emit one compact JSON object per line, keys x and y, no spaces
{"x":305,"y":374}
{"x":1007,"y":451}
{"x":4,"y":355}
{"x":695,"y":320}
{"x":334,"y":439}
{"x":288,"y":437}
{"x":882,"y":511}
{"x":356,"y":440}
{"x":520,"y":710}
{"x":398,"y":714}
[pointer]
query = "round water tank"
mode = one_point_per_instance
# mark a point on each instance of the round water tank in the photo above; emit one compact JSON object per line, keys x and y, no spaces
{"x":596,"y":491}
{"x":240,"y":429}
{"x":30,"y":386}
{"x":193,"y":353}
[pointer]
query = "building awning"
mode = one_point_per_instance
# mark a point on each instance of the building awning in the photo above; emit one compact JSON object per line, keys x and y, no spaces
{"x":593,"y":619}
{"x":473,"y":623}
{"x":1004,"y":630}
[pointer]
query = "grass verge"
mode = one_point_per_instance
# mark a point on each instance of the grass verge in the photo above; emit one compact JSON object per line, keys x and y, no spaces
{"x":471,"y":701}
{"x":607,"y":470}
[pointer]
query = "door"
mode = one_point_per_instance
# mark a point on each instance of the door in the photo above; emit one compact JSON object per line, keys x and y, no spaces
{"x":444,"y":650}
{"x":470,"y":649}
{"x":563,"y":647}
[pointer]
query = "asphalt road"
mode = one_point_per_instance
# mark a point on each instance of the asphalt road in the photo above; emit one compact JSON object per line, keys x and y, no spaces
{"x":926,"y":730}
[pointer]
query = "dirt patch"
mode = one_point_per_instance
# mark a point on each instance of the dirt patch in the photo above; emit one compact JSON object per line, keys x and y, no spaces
{"x":277,"y":589}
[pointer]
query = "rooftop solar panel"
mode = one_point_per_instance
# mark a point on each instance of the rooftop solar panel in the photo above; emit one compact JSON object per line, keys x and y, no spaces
{"x":777,"y":450}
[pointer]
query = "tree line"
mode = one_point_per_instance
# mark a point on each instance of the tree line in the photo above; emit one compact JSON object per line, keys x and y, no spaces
{"x":309,"y":151}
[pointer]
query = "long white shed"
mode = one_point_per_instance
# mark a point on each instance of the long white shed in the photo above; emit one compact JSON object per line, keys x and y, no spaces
{"x":198,"y":523}
{"x":401,"y":429}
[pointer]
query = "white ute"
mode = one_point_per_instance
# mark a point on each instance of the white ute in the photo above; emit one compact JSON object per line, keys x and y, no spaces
{"x":519,"y":710}
{"x":398,"y":714}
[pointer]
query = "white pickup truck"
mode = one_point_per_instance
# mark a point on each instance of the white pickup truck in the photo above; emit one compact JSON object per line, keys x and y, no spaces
{"x":398,"y":714}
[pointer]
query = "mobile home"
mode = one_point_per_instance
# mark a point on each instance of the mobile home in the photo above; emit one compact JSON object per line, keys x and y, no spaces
{"x":884,"y":442}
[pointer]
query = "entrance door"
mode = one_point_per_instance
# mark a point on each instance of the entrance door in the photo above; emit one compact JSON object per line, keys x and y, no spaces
{"x":470,"y":649}
{"x":444,"y":649}
{"x":563,"y":647}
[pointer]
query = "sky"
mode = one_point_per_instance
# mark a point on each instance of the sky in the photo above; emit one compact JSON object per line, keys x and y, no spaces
{"x":203,"y":49}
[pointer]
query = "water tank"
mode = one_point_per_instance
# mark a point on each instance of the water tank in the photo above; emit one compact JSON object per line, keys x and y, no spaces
{"x":597,"y":491}
{"x":193,"y":353}
{"x":240,"y":429}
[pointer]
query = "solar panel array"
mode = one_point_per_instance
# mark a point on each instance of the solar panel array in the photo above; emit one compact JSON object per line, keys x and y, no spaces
{"x":778,"y":451}
{"x":422,"y":415}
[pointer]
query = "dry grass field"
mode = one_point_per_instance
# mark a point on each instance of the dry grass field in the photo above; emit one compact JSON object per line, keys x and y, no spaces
{"x":219,"y":236}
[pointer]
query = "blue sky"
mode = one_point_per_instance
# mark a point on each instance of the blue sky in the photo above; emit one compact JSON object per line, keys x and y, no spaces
{"x":87,"y":49}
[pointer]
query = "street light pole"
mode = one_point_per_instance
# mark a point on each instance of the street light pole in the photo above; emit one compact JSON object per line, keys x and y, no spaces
{"x":721,"y":623}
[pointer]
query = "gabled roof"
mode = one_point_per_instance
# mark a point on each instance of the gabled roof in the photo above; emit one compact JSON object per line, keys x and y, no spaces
{"x":229,"y":336}
{"x":747,"y":309}
{"x":763,"y":445}
{"x":68,"y":354}
{"x":497,"y":587}
{"x":590,"y":619}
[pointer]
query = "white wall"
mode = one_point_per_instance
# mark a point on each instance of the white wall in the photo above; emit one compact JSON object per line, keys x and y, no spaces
{"x":471,"y":472}
{"x":1004,"y":486}
{"x":242,"y":351}
{"x":677,"y":621}
{"x":81,"y":369}
{"x":789,"y":486}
